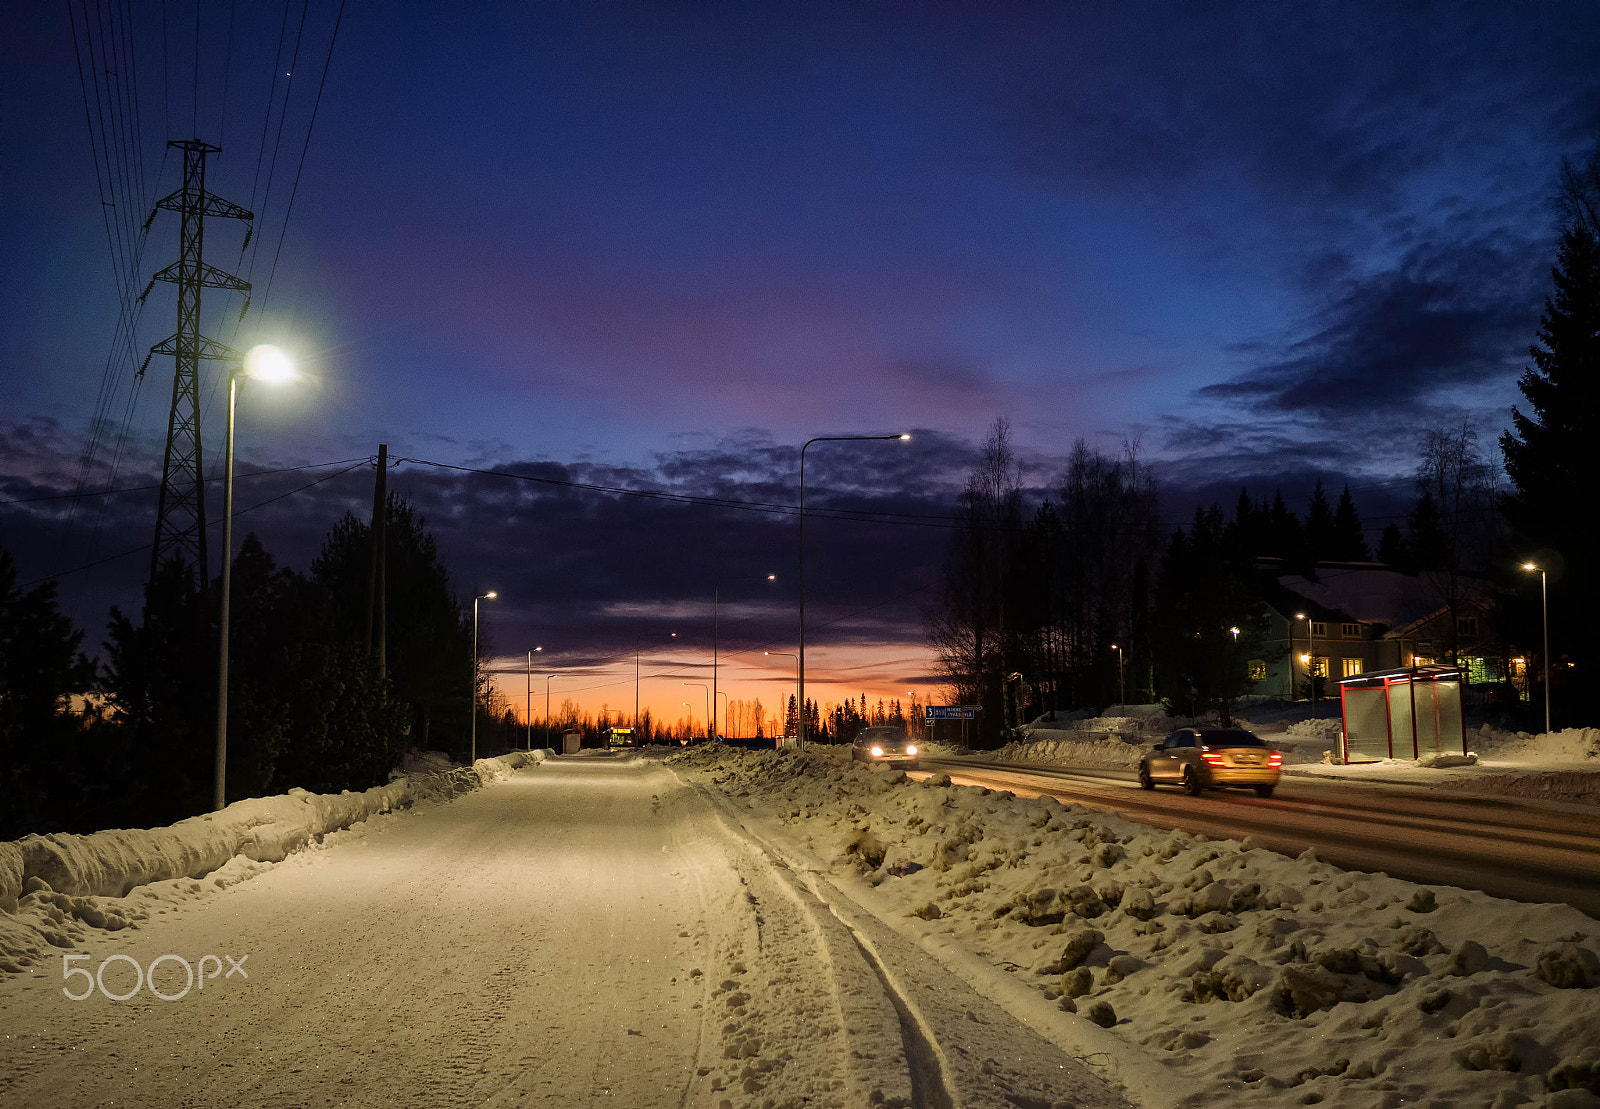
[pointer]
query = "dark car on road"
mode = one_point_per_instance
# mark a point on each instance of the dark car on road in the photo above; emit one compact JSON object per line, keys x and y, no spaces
{"x":1205,"y":758}
{"x":885,"y":745}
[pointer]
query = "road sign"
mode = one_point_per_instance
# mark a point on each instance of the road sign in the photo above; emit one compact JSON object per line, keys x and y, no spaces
{"x":952,"y":712}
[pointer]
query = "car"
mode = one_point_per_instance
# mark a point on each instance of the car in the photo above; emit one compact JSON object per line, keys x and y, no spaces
{"x":1205,"y":758}
{"x":885,"y":745}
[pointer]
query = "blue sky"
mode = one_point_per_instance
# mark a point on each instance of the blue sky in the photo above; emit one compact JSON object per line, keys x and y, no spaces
{"x":1273,"y":242}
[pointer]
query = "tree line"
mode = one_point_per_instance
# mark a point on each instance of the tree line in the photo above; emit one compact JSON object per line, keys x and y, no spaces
{"x":131,"y":742}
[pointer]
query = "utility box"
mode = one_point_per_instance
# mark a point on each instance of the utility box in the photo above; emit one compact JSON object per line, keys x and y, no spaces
{"x":571,"y":743}
{"x":1408,"y":713}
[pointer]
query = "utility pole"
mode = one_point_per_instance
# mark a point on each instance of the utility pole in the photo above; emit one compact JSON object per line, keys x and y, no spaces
{"x":181,"y":507}
{"x":377,"y":600}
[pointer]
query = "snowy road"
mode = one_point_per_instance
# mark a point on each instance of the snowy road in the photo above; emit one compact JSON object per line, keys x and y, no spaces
{"x":589,"y":932}
{"x":1510,"y":848}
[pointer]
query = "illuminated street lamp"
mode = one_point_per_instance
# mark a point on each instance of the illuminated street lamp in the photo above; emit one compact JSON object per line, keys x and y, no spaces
{"x":799,"y":706}
{"x":802,"y":664}
{"x":269,"y":364}
{"x":473,"y":703}
{"x":547,"y":678}
{"x":712,"y":725}
{"x":1297,"y":616}
{"x":636,"y":642}
{"x":716,"y":597}
{"x":1544,"y":604}
{"x":1122,"y":695}
{"x":529,"y":718}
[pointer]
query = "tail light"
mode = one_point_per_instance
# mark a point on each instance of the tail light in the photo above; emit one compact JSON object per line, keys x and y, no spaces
{"x":1274,"y":759}
{"x":1212,"y":757}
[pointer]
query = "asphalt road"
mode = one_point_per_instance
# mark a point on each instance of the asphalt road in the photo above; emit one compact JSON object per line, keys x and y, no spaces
{"x":1510,"y":847}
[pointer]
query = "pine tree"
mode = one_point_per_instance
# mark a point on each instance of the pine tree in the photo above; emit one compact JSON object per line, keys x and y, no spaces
{"x":1425,"y":535}
{"x":1548,"y":452}
{"x":1319,"y":527}
{"x":1349,"y":543}
{"x":40,"y":669}
{"x":1393,"y":550}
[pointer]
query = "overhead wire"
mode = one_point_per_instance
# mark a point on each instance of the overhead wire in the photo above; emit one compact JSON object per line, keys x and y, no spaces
{"x":210,"y":523}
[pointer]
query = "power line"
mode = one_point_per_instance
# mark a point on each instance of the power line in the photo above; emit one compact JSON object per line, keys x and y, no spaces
{"x":212,"y":523}
{"x":157,"y":485}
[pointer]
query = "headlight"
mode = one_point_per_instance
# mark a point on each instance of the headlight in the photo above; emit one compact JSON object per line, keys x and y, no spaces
{"x":911,"y":748}
{"x":877,"y":752}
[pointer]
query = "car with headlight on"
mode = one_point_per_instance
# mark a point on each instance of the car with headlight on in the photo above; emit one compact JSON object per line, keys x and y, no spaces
{"x":885,"y":745}
{"x":1199,"y":759}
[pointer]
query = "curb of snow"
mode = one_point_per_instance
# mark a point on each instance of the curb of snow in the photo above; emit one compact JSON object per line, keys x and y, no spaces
{"x":112,"y":863}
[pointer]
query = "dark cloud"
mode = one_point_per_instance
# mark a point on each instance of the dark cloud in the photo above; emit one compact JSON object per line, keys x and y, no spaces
{"x":1445,"y":318}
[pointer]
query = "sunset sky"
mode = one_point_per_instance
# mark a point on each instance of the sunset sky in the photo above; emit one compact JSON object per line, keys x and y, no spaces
{"x":659,"y":246}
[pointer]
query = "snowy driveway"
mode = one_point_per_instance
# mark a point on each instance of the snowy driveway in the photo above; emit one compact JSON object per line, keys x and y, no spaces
{"x":590,"y":932}
{"x":1508,"y":847}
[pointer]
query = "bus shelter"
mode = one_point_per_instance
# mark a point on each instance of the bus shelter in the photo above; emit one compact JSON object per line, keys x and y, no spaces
{"x":1409,"y":713}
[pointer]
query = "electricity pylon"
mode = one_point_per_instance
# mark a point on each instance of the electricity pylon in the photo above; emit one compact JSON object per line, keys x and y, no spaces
{"x":181,"y":509}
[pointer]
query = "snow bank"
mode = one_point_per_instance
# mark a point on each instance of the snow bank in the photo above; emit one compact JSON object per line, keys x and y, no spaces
{"x":45,"y":881}
{"x":1248,"y":977}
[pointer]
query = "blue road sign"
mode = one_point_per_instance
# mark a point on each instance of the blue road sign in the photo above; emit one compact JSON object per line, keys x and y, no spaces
{"x":952,"y":712}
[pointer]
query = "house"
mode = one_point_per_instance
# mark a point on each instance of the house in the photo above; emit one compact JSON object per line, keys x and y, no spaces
{"x":1351,"y":618}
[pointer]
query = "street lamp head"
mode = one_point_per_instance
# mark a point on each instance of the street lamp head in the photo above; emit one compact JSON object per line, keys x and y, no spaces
{"x":1235,"y":632}
{"x":1529,"y":566}
{"x":489,"y":596}
{"x":772,"y":577}
{"x":269,"y":364}
{"x":1299,"y":616}
{"x":1114,"y":647}
{"x":538,"y":648}
{"x":1305,"y":658}
{"x":906,"y":437}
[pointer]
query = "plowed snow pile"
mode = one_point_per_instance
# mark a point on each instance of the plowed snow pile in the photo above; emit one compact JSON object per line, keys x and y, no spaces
{"x":1251,"y":978}
{"x":53,"y":888}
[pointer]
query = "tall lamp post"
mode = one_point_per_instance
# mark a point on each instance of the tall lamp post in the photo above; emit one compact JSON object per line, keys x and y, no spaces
{"x":716,"y":601}
{"x":1544,"y":604}
{"x":528,"y":719}
{"x":1297,"y":616}
{"x":799,"y":706}
{"x":711,"y":725}
{"x":473,"y":702}
{"x":547,"y":678}
{"x":903,"y":437}
{"x":271,"y":365}
{"x":636,"y":643}
{"x":1122,"y":694}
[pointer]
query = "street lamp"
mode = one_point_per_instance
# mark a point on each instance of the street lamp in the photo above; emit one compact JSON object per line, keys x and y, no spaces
{"x":473,"y":703}
{"x":1297,"y":616}
{"x":547,"y":678}
{"x":271,"y":365}
{"x":799,"y":706}
{"x":1122,"y":694}
{"x":716,"y":599}
{"x":636,"y":642}
{"x":723,"y":693}
{"x":1544,"y":603}
{"x":529,"y":717}
{"x":712,"y":725}
{"x":903,"y":437}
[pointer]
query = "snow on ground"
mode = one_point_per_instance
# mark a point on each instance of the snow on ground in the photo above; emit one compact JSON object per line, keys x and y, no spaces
{"x":1222,"y":973}
{"x":55,"y":887}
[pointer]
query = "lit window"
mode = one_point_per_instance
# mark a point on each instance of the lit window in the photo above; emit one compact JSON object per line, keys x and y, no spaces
{"x":1319,"y":667}
{"x":1319,"y":631}
{"x":1350,"y":631}
{"x":1352,"y":667}
{"x":1258,"y":670}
